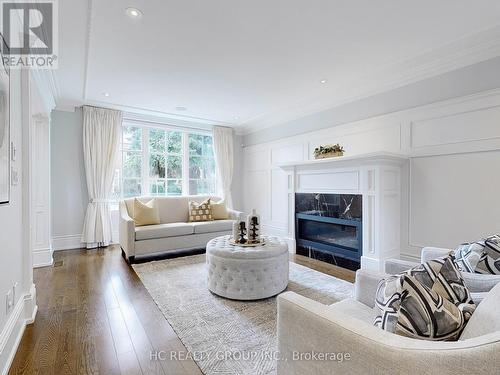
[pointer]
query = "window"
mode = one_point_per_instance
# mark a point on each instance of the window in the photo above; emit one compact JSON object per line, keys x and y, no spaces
{"x":131,"y":161}
{"x":201,"y":164}
{"x":158,"y":161}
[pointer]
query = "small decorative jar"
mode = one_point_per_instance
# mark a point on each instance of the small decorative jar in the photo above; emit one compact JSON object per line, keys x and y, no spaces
{"x":253,"y":227}
{"x":236,"y":232}
{"x":242,"y":232}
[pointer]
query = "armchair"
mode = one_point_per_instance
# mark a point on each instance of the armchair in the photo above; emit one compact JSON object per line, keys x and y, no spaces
{"x":345,"y":335}
{"x":477,"y":283}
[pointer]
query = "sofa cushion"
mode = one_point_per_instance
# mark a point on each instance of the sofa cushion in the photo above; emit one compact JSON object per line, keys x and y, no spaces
{"x":213,"y":226}
{"x":200,"y":211}
{"x":486,"y":318}
{"x":219,"y":210}
{"x":354,"y":309}
{"x":146,"y":213}
{"x":149,"y":232}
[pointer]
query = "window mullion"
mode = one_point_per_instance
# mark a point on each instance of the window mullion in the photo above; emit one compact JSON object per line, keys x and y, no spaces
{"x":185,"y":163}
{"x":165,"y":155}
{"x":145,"y":161}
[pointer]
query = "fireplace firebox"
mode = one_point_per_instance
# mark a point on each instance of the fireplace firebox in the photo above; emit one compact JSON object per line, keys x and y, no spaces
{"x":329,"y":228}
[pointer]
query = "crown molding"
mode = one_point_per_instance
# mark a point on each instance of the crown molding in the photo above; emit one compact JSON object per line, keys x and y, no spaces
{"x":46,"y":83}
{"x":140,"y":114}
{"x":466,"y":51}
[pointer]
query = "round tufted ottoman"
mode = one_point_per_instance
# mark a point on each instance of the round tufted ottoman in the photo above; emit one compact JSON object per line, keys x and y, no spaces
{"x":247,"y":273}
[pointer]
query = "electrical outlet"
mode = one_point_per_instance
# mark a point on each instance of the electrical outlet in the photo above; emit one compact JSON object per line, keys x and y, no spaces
{"x":8,"y":301}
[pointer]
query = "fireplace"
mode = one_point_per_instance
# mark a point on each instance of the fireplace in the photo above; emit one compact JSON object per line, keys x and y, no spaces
{"x":373,"y":182}
{"x":329,"y":228}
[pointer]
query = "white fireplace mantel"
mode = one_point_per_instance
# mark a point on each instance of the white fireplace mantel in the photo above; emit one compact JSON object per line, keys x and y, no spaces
{"x":375,"y":176}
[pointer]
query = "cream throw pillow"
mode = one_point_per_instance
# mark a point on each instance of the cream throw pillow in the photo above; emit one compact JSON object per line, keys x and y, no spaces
{"x":146,"y":213}
{"x":200,"y":211}
{"x":219,"y":210}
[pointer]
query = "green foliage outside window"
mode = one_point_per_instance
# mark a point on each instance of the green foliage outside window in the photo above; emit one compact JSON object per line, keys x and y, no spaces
{"x":164,"y":160}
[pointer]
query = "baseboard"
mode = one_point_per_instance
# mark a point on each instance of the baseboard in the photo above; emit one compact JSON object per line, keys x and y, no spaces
{"x":71,"y":241}
{"x":24,"y":313}
{"x":43,"y":257}
{"x":372,"y":264}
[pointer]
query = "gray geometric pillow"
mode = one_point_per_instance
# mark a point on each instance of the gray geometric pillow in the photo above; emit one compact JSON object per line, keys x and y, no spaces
{"x":429,"y":301}
{"x":480,"y":257}
{"x":468,"y":255}
{"x":491,"y":262}
{"x":409,"y":308}
{"x":442,"y":276}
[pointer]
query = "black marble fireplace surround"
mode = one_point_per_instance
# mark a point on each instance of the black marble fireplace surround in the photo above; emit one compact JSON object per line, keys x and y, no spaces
{"x":329,"y":228}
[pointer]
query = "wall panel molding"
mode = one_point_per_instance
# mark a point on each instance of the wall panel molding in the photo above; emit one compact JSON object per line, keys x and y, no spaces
{"x":448,"y":129}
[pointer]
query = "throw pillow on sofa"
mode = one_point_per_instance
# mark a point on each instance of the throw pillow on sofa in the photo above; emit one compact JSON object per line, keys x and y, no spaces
{"x":146,"y":213}
{"x":200,"y":211}
{"x":219,"y":210}
{"x":428,"y":302}
{"x":480,"y":257}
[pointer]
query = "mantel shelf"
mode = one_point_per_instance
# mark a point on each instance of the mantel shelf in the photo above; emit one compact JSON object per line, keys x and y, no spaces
{"x":348,"y":160}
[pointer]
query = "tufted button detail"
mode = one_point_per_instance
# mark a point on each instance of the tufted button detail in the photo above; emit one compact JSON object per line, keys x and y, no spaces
{"x":247,"y":272}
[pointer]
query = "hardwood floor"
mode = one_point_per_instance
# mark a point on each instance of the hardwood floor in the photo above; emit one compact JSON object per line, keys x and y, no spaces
{"x":96,"y":317}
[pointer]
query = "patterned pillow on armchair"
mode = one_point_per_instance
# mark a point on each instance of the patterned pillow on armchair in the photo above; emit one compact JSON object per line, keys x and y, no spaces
{"x":480,"y":257}
{"x":429,"y":302}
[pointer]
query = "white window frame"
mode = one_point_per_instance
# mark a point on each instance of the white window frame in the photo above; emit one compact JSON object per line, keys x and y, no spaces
{"x":145,"y":179}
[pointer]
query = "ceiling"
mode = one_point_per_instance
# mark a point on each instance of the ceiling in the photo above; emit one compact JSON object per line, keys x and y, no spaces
{"x":254,"y":64}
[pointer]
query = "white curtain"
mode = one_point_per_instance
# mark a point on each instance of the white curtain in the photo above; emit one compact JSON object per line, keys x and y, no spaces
{"x":223,"y":147}
{"x":101,"y":139}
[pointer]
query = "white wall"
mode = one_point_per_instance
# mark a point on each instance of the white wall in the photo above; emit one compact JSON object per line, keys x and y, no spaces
{"x":237,"y":185}
{"x":15,"y":254}
{"x":68,"y":183}
{"x":449,"y":193}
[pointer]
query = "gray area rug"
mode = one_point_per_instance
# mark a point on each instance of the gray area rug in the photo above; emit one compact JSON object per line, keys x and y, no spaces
{"x":226,"y":336}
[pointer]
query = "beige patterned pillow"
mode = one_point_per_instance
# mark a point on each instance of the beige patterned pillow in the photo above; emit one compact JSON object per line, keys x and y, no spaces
{"x":200,"y":211}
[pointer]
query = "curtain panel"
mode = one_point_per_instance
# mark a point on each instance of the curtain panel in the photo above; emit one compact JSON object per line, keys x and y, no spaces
{"x":223,"y":149}
{"x":101,"y":139}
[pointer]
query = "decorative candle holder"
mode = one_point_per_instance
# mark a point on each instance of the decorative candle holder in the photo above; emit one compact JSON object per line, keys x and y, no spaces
{"x":236,"y":232}
{"x":253,"y":227}
{"x":242,"y":233}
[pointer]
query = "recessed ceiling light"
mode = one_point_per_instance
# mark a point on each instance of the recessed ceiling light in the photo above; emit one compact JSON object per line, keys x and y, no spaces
{"x":106,"y":94}
{"x":180,"y":108}
{"x":323,"y":81}
{"x":133,"y":12}
{"x":236,"y":117}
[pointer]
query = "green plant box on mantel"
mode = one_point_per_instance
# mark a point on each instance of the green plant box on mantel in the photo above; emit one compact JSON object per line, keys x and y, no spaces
{"x":329,"y":155}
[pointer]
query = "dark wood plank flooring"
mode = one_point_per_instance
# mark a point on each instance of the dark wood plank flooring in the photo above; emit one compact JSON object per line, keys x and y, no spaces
{"x":95,"y":317}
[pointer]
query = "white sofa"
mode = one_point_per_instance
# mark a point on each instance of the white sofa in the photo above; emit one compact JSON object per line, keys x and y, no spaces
{"x":174,"y":231}
{"x":346,"y":330}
